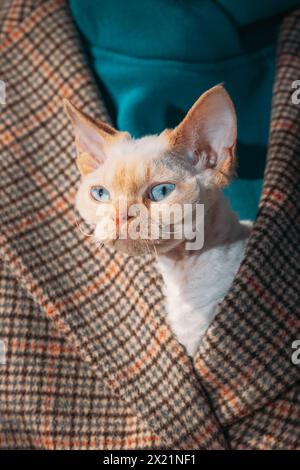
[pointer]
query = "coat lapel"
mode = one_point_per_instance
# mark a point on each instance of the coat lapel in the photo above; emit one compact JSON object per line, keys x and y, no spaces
{"x":109,"y":306}
{"x":245,"y":360}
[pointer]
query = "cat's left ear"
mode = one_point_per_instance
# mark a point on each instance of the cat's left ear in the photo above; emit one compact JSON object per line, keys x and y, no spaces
{"x":209,"y":132}
{"x":91,"y":137}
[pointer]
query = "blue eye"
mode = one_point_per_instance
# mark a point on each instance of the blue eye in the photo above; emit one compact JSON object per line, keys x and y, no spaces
{"x":161,"y":191}
{"x":100,"y":194}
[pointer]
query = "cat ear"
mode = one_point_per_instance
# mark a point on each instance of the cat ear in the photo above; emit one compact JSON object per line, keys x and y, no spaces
{"x":208,"y":132}
{"x":90,"y":138}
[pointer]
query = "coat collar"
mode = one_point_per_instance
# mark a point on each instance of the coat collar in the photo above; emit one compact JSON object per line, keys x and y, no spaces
{"x":111,"y":307}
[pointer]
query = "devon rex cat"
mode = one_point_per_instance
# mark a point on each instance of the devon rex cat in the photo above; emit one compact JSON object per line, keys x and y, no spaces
{"x":185,"y":166}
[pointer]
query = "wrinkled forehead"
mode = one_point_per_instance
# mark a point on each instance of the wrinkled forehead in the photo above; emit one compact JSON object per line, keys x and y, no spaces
{"x":131,"y":166}
{"x":130,"y":175}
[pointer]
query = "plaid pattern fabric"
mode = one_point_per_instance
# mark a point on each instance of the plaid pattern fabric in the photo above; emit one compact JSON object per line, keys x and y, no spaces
{"x":91,"y":362}
{"x":12,"y":13}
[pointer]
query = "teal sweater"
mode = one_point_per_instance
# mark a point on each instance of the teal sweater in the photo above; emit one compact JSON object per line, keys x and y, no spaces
{"x":153,"y":58}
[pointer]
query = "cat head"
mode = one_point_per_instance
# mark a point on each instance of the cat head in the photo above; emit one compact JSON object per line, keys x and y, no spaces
{"x":129,"y":185}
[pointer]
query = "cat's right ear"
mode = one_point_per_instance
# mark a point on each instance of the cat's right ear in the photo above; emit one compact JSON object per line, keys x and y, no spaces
{"x":90,"y":138}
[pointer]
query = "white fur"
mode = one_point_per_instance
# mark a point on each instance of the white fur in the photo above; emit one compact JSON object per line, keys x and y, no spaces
{"x":197,"y":283}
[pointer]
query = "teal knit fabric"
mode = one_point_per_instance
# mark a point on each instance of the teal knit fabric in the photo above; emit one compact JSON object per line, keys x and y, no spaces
{"x":153,"y":58}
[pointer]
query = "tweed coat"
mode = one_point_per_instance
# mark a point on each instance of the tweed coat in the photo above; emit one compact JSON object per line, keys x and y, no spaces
{"x":90,"y":360}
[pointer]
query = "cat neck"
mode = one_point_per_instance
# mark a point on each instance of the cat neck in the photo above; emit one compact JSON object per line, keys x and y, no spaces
{"x":196,"y":281}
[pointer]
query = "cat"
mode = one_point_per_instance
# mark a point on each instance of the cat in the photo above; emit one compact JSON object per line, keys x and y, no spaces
{"x":185,"y":166}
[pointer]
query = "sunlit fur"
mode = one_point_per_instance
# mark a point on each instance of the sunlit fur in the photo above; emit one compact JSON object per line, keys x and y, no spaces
{"x":198,"y":157}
